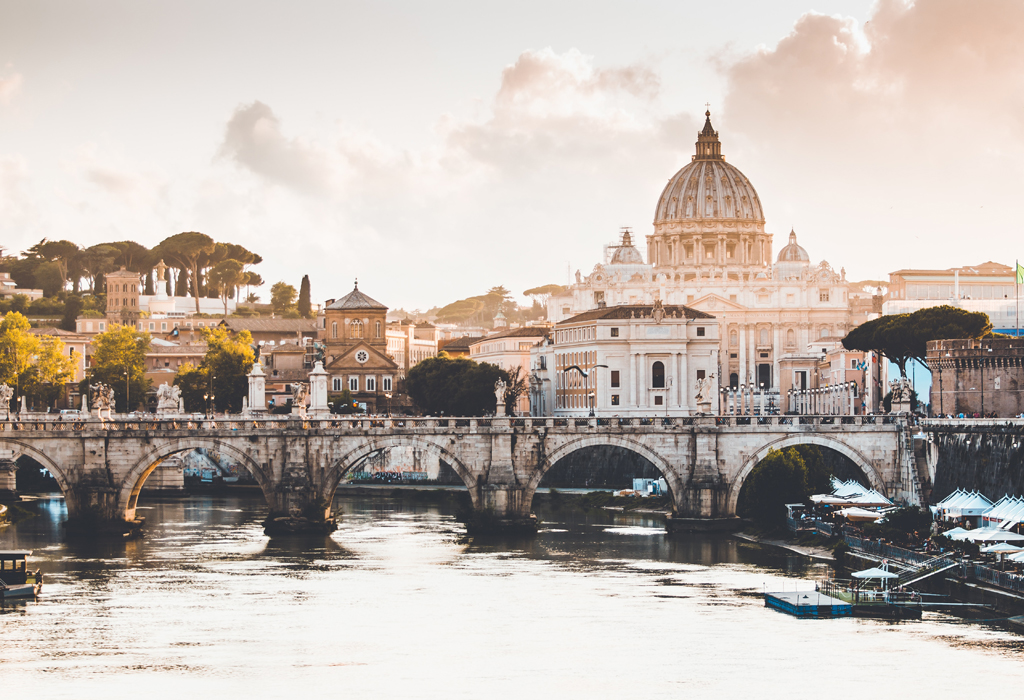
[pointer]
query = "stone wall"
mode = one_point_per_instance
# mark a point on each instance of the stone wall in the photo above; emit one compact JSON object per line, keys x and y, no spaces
{"x":989,"y":459}
{"x":977,"y":376}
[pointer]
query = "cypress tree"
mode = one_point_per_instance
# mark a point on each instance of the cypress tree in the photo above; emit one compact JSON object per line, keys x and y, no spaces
{"x":305,"y":306}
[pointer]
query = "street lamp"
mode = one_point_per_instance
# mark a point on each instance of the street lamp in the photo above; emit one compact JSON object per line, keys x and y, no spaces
{"x":387,"y":395}
{"x":585,"y":375}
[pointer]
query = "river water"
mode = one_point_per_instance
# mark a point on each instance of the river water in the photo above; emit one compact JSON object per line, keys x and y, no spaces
{"x":397,"y":604}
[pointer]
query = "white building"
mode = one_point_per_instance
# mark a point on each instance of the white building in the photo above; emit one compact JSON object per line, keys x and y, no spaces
{"x":709,"y":251}
{"x":508,"y":350}
{"x":642,"y":360}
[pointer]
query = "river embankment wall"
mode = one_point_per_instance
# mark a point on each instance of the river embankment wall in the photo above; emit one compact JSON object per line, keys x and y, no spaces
{"x":985,"y":458}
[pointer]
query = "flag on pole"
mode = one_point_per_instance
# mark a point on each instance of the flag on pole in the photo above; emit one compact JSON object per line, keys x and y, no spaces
{"x":1020,"y":273}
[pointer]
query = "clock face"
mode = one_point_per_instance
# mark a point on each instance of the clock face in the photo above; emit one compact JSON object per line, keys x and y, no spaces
{"x":362,"y":356}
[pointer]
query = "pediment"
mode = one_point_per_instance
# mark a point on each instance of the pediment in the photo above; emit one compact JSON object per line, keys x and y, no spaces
{"x":347,"y":360}
{"x":713,"y":302}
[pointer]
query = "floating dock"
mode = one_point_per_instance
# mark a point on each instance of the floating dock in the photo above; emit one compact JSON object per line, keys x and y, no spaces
{"x":808,"y":604}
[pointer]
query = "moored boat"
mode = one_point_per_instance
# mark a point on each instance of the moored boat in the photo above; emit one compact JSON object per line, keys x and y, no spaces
{"x":15,"y":579}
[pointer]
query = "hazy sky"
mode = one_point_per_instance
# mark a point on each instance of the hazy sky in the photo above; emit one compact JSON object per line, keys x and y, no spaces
{"x":435,"y":149}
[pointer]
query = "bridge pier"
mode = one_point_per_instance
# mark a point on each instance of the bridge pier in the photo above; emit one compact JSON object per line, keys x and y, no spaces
{"x":8,"y":479}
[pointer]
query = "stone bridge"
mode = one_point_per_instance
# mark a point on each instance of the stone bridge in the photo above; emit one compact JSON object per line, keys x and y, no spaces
{"x":101,"y":466}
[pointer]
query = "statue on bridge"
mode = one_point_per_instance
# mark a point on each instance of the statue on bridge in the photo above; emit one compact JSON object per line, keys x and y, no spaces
{"x":6,"y":394}
{"x":168,"y":397}
{"x":902,"y":391}
{"x":102,"y":399}
{"x":299,"y":393}
{"x":500,"y":388}
{"x":705,"y":390}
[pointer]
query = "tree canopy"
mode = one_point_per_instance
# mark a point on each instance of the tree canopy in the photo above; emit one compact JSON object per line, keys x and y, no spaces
{"x":186,"y":250}
{"x":449,"y":386}
{"x":223,"y":372}
{"x":119,"y":361}
{"x":783,"y":476}
{"x":282,"y":297}
{"x":305,"y":305}
{"x":903,"y":337}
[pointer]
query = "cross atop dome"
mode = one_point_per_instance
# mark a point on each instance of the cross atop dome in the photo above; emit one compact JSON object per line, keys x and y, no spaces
{"x":708,"y":145}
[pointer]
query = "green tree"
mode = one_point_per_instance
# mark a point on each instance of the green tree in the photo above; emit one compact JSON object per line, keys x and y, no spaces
{"x":454,"y":387}
{"x":516,"y":387}
{"x":343,"y":403}
{"x":185,"y":250}
{"x":305,"y":303}
{"x":95,"y":261}
{"x":903,"y":337}
{"x":225,"y":277}
{"x":119,"y":361}
{"x":783,"y":476}
{"x":48,"y":278}
{"x":18,"y":347}
{"x":51,"y":369}
{"x":62,"y":253}
{"x":282,"y":297}
{"x":72,"y":309}
{"x":223,"y":372}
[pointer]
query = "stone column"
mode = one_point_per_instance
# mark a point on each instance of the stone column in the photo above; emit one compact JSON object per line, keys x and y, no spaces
{"x":743,"y":353}
{"x":685,"y":395}
{"x":641,"y":362}
{"x":257,"y":389}
{"x":318,"y":392}
{"x":633,"y":381}
{"x":8,"y":477}
{"x":776,"y":353}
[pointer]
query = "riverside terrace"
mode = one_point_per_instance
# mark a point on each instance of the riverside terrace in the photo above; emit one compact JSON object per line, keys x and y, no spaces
{"x":101,"y":465}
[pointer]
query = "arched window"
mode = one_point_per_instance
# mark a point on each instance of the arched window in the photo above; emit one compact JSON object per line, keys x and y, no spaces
{"x":790,"y":337}
{"x":764,"y":336}
{"x":334,"y":329}
{"x":356,"y":329}
{"x":734,"y":339}
{"x":658,"y":375}
{"x":124,"y":288}
{"x":734,"y":380}
{"x":824,"y":332}
{"x":378,"y":329}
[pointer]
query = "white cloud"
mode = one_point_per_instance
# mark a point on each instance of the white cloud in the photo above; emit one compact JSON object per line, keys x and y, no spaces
{"x":254,"y":140}
{"x":10,"y":84}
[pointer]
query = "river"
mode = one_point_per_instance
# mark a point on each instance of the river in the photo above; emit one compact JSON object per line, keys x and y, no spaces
{"x":397,"y":604}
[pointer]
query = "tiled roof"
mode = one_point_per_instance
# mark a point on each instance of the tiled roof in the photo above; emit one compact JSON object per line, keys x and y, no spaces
{"x":537,"y":332}
{"x":270,"y":325}
{"x":356,"y":300}
{"x":462,"y":343}
{"x":633,"y":311}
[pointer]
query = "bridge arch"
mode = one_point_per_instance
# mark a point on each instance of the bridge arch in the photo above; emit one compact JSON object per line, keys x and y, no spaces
{"x":864,"y":464}
{"x":21,"y":449}
{"x":133,"y":482}
{"x":373,"y":443}
{"x":672,"y":478}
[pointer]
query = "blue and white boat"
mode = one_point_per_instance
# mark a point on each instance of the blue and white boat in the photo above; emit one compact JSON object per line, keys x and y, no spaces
{"x":15,"y":579}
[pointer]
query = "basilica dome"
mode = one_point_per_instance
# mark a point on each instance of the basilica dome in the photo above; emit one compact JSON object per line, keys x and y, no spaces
{"x":709,"y":188}
{"x":793,"y":252}
{"x":627,"y":254}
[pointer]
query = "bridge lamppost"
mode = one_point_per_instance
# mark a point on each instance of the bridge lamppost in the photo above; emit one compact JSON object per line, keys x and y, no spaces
{"x":585,"y":375}
{"x":387,"y":395}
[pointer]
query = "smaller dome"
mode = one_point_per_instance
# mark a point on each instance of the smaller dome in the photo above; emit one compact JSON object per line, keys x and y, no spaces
{"x":793,"y":252}
{"x":627,"y":254}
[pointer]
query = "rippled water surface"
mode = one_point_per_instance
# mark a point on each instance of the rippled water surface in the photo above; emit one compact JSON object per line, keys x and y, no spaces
{"x":397,"y":603}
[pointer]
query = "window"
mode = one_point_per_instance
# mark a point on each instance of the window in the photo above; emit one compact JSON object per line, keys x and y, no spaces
{"x":566,"y":311}
{"x":336,"y":384}
{"x":334,"y":329}
{"x":700,"y":331}
{"x":700,"y":374}
{"x":152,"y":326}
{"x":615,"y":378}
{"x":658,"y":375}
{"x":790,"y":338}
{"x":822,"y":295}
{"x":764,"y":336}
{"x":355,"y":330}
{"x":732,"y":356}
{"x":733,"y":297}
{"x":853,"y":364}
{"x":386,"y":383}
{"x":657,"y":400}
{"x":371,"y":384}
{"x":353,"y":383}
{"x":689,"y":298}
{"x":824,"y":332}
{"x":734,"y":339}
{"x":378,"y":329}
{"x":163,"y":326}
{"x":615,"y":332}
{"x":615,"y":399}
{"x":598,"y":297}
{"x":790,"y":298}
{"x":102,"y":325}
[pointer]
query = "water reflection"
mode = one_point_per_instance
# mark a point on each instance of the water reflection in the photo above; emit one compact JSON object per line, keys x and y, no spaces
{"x":399,"y":602}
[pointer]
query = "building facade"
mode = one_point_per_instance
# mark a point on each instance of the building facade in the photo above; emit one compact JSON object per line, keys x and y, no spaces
{"x":509,"y":350}
{"x":626,"y":360}
{"x":709,"y":251}
{"x":353,"y":334}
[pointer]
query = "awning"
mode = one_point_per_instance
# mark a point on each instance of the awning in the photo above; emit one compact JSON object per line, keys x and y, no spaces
{"x":874,"y":572}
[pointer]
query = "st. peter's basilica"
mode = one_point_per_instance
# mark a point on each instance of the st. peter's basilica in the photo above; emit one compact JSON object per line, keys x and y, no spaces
{"x":709,"y":251}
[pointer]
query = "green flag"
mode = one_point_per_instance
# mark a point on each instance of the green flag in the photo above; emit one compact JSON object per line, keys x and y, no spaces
{"x":1020,"y":273}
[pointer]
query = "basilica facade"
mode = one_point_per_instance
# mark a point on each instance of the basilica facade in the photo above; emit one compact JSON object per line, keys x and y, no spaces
{"x":709,"y":251}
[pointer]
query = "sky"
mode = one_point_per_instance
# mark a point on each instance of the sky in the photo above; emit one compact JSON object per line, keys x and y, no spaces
{"x":436,"y":149}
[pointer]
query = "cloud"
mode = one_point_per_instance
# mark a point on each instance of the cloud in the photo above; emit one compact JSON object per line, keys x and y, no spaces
{"x":9,"y":86}
{"x":893,"y":134}
{"x":254,"y":140}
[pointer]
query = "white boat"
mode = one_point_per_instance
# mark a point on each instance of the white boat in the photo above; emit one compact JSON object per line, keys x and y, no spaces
{"x":15,"y":579}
